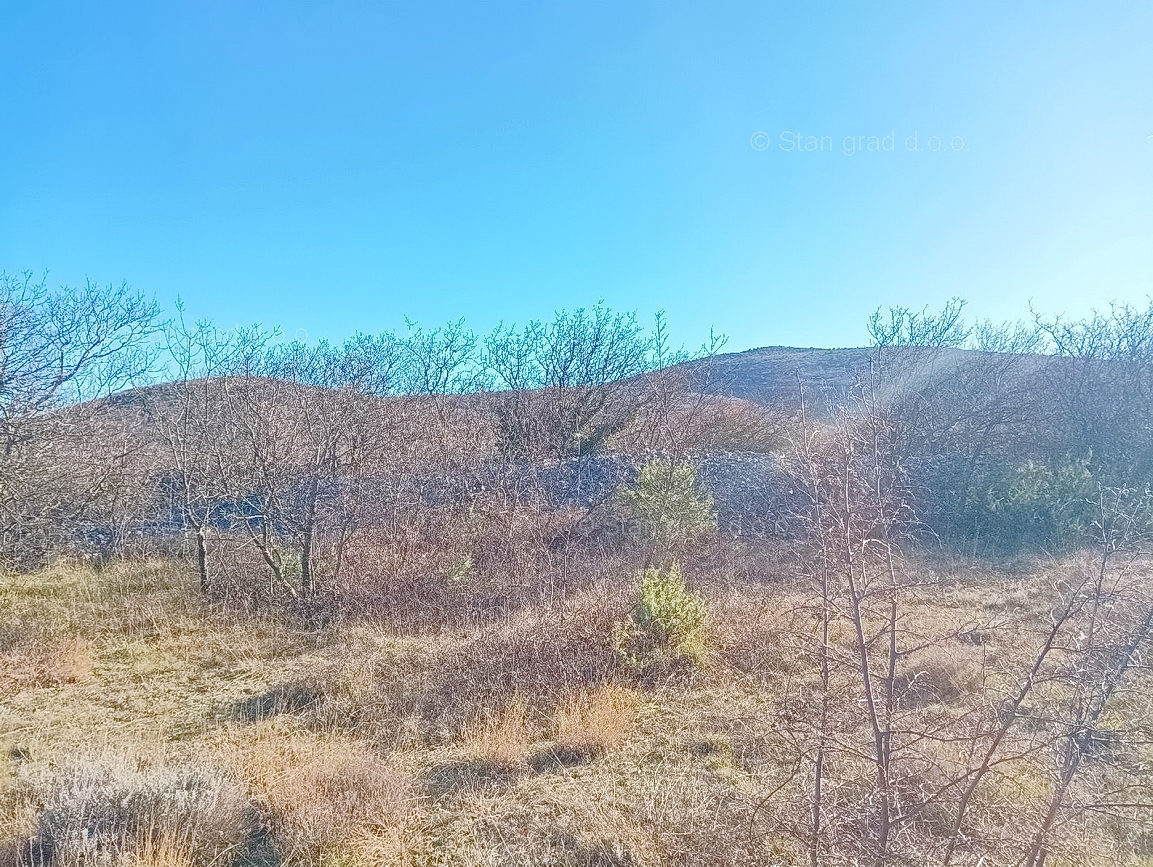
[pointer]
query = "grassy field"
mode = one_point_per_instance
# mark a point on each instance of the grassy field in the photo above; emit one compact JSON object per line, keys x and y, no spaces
{"x":185,"y":734}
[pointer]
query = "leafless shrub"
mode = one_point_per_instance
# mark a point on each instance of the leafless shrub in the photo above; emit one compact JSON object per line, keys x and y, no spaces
{"x":335,"y":803}
{"x":539,"y":655}
{"x":58,"y":348}
{"x":112,"y":813}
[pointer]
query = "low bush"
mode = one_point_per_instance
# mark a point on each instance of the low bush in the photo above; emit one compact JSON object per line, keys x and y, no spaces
{"x":1046,"y":504}
{"x":668,"y":506}
{"x":539,"y":655}
{"x":112,"y":814}
{"x":667,"y":625}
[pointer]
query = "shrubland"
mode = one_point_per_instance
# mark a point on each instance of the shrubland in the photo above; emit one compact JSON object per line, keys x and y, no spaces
{"x":556,"y":596}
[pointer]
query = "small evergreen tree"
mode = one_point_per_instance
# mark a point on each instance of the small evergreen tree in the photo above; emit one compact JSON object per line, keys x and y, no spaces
{"x":667,"y":626}
{"x":1045,"y":504}
{"x":668,"y":505}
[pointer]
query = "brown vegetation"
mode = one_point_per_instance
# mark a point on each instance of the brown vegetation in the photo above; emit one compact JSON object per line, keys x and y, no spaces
{"x":355,"y":609}
{"x":593,"y":721}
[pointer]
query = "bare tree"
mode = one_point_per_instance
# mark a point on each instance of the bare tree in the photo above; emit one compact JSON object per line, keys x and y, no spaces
{"x":189,"y":418}
{"x":568,"y":384}
{"x":58,"y":348}
{"x":1102,"y":395}
{"x":857,"y":511}
{"x":304,"y":426}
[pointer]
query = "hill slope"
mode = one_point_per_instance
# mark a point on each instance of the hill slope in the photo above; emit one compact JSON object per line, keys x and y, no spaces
{"x":771,"y":375}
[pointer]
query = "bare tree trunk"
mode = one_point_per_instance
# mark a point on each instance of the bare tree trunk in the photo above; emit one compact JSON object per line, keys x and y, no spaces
{"x":202,"y":559}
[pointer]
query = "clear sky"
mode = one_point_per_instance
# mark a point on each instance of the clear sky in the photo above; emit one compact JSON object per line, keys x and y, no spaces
{"x":335,"y":166}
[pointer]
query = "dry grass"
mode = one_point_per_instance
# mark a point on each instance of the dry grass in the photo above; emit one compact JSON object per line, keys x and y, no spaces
{"x":34,"y":660}
{"x":595,"y":721}
{"x":321,"y":793}
{"x":431,"y":689}
{"x":316,"y":808}
{"x":503,"y":739}
{"x":941,"y":673}
{"x":472,"y":744}
{"x":161,"y":852}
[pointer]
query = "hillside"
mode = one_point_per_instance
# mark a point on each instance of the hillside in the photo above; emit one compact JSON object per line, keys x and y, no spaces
{"x":713,"y":408}
{"x":767,"y":376}
{"x":653,"y":622}
{"x":770,"y":375}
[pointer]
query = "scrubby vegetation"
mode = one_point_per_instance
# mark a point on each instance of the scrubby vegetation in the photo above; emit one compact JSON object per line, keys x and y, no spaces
{"x":204,"y":734}
{"x":667,"y":624}
{"x":318,"y":605}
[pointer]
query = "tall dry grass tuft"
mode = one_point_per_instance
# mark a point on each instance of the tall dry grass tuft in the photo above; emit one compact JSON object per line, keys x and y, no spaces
{"x":325,"y":799}
{"x":18,"y":814}
{"x":113,"y":814}
{"x":502,"y":740}
{"x":594,"y":721}
{"x":32,"y":657}
{"x":160,"y":851}
{"x":316,"y":808}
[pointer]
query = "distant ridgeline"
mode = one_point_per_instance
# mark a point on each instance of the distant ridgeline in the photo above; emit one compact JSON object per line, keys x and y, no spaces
{"x":990,"y":451}
{"x":987,"y":449}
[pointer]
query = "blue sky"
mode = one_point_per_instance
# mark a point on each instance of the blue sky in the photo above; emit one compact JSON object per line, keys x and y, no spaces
{"x":336,"y":166}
